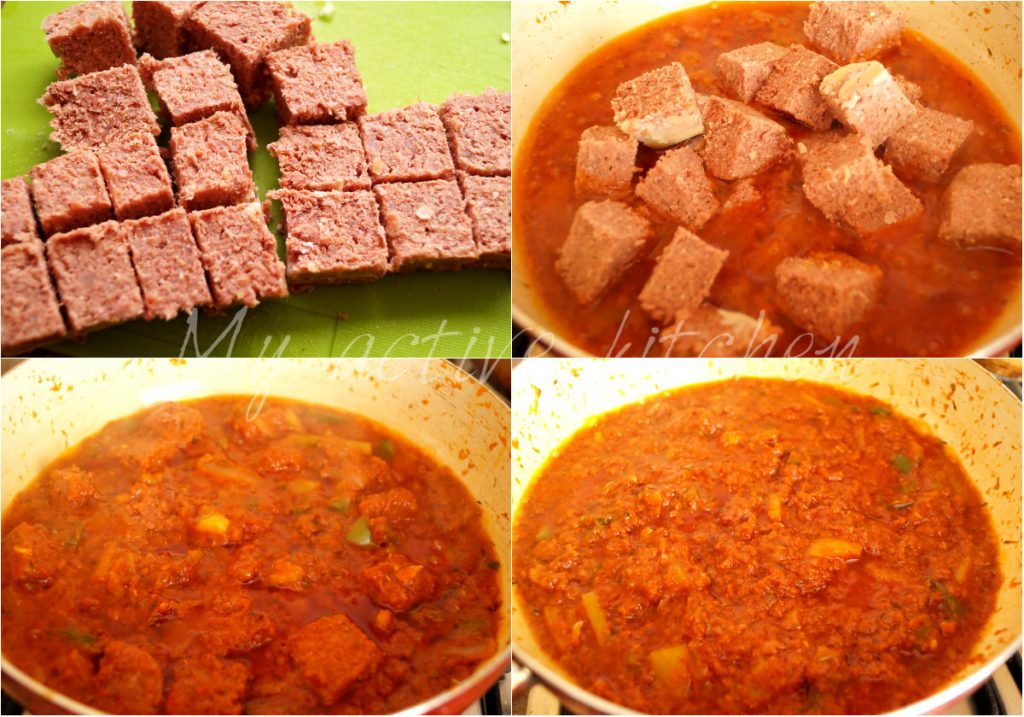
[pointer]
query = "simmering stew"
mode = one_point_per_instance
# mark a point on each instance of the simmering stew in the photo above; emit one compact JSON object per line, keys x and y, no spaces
{"x":756,"y":546}
{"x":932,"y":297}
{"x":219,"y":556}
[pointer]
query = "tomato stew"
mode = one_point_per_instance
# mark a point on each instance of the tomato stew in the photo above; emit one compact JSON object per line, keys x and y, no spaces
{"x":222,"y":556}
{"x":936,"y":300}
{"x":756,"y":546}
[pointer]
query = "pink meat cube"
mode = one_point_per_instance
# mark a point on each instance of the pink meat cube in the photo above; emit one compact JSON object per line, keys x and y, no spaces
{"x":850,"y":31}
{"x":211,"y":167}
{"x":658,"y":108}
{"x":95,"y":277}
{"x":489,"y":205}
{"x":711,"y":332}
{"x":406,"y":145}
{"x":604,"y":240}
{"x":30,"y":313}
{"x":605,"y":163}
{"x":868,"y":100}
{"x":426,"y":225}
{"x":332,"y":237}
{"x":479,"y":131}
{"x":167,"y":264}
{"x":745,"y":69}
{"x":239,"y":254}
{"x":792,"y":87}
{"x":89,"y":37}
{"x":739,"y":142}
{"x":136,"y":177}
{"x":678,"y":188}
{"x":160,"y":26}
{"x":317,"y":83}
{"x":682,"y":278}
{"x":923,"y":147}
{"x":69,"y":192}
{"x":982,"y":207}
{"x":321,"y":157}
{"x":852,"y":187}
{"x":17,"y":222}
{"x":828,"y":293}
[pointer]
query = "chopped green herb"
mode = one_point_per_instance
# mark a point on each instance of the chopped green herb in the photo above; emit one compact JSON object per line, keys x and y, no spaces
{"x":952,"y":606}
{"x":604,"y":520}
{"x":901,"y":506}
{"x":902,"y":463}
{"x":300,"y":510}
{"x":340,"y":506}
{"x":545,"y":533}
{"x":78,"y":637}
{"x":75,"y":536}
{"x":359,"y":533}
{"x":880,"y":411}
{"x":385,"y":449}
{"x":494,"y":565}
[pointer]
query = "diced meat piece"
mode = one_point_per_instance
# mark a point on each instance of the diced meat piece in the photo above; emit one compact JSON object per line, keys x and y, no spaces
{"x":406,"y":145}
{"x":17,"y":223}
{"x":740,"y":142}
{"x":160,"y":26}
{"x":792,"y":87}
{"x":745,"y":69}
{"x":136,"y":177}
{"x":331,"y":653}
{"x":398,"y":583}
{"x":164,"y":433}
{"x":129,"y":680}
{"x":332,"y":237}
{"x":31,"y":555}
{"x":426,"y":225}
{"x":321,"y":157}
{"x":849,"y":31}
{"x":658,"y":108}
{"x":207,"y":685}
{"x":211,"y":167}
{"x":167,"y":264}
{"x":854,"y":189}
{"x":867,"y":99}
{"x":349,"y":462}
{"x":909,"y":89}
{"x":239,"y":254}
{"x":479,"y":131}
{"x":677,"y":187}
{"x":236,"y":628}
{"x":317,"y":83}
{"x":243,"y":34}
{"x":97,"y":109}
{"x":711,"y":332}
{"x":982,"y":207}
{"x":72,"y":486}
{"x":605,"y":163}
{"x":827,"y":293}
{"x":489,"y":206}
{"x":94,"y":276}
{"x":193,"y":87}
{"x":604,"y":240}
{"x":30,"y":312}
{"x":89,"y":36}
{"x":683,"y":276}
{"x":395,"y":505}
{"x":923,"y":147}
{"x":69,"y":192}
{"x":743,"y":194}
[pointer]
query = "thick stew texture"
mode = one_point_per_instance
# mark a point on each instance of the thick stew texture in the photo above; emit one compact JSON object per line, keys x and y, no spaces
{"x":756,"y":546}
{"x":219,"y":556}
{"x":934,"y":298}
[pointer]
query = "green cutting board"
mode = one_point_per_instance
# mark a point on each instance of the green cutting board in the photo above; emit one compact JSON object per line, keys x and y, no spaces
{"x":406,"y":52}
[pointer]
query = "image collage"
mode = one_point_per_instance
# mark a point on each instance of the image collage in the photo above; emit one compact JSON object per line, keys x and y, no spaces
{"x":511,"y":357}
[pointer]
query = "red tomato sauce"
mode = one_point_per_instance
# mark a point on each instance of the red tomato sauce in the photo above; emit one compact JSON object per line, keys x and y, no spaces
{"x":218,"y":556}
{"x":936,"y":300}
{"x":756,"y":546}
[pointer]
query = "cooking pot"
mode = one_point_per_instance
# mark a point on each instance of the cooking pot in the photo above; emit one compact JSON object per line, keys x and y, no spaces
{"x":552,"y":38}
{"x":50,"y":405}
{"x":955,"y":399}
